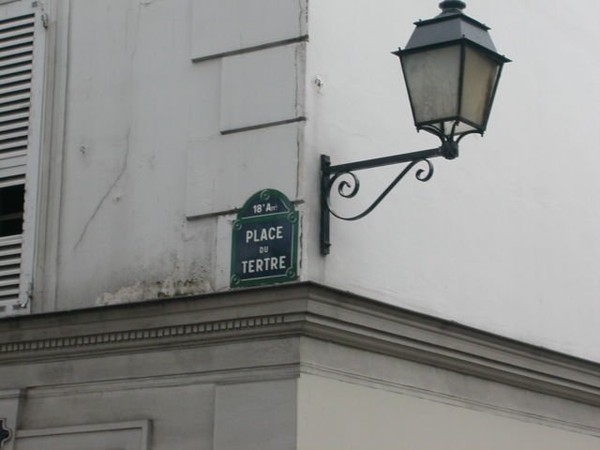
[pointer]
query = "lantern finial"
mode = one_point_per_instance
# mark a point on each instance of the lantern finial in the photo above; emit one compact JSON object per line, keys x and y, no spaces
{"x":452,"y":6}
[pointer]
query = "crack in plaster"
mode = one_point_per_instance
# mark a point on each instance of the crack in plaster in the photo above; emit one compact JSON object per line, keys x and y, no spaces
{"x":132,"y":56}
{"x":107,"y":193}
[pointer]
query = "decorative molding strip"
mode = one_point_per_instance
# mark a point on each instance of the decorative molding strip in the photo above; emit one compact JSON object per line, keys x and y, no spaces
{"x":264,"y":125}
{"x":200,"y":328}
{"x":230,"y":212}
{"x":256,"y":48}
{"x":208,"y":378}
{"x":78,"y":429}
{"x":10,"y":394}
{"x":141,"y":426}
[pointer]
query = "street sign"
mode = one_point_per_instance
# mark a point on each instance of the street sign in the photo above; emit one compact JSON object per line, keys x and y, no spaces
{"x":264,"y":247}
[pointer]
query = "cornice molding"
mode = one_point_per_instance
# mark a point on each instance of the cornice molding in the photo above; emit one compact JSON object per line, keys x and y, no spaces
{"x":297,"y":310}
{"x":116,"y":338}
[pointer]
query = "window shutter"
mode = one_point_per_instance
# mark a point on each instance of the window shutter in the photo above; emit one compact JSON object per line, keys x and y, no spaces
{"x":21,"y":82}
{"x":10,"y":270}
{"x":16,"y":64}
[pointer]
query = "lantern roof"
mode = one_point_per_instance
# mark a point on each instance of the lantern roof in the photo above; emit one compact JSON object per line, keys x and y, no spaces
{"x":450,"y":26}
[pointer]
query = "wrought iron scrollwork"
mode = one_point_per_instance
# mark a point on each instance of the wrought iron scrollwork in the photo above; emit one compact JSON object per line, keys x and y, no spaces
{"x":343,"y":179}
{"x":349,"y":188}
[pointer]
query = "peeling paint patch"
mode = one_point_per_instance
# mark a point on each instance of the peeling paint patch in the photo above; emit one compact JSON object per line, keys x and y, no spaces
{"x":142,"y":291}
{"x":149,"y":2}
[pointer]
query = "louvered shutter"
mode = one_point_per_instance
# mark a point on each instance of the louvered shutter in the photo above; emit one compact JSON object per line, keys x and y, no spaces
{"x":21,"y":83}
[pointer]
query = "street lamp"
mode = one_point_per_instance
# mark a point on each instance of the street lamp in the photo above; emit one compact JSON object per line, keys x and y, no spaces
{"x":451,"y":69}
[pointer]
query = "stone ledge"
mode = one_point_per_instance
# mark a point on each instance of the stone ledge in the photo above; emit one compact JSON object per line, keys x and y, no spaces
{"x":302,"y":309}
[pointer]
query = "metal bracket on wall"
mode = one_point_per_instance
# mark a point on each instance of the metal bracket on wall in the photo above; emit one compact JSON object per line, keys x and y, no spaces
{"x":348,"y":187}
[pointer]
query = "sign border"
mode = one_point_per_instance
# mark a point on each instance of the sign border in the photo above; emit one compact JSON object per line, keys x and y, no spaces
{"x":290,"y":214}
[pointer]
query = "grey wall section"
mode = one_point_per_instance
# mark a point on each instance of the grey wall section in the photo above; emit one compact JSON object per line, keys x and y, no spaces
{"x":160,"y":119}
{"x":289,"y":367}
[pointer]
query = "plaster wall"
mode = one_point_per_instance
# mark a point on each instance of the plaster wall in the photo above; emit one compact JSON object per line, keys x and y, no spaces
{"x":167,"y":123}
{"x":334,"y":414}
{"x":505,"y":238}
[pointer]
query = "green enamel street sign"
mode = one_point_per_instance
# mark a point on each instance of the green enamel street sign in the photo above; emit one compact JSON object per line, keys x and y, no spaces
{"x":264,"y":244}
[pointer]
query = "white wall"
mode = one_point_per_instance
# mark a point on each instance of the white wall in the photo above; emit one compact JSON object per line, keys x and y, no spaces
{"x":505,"y":238}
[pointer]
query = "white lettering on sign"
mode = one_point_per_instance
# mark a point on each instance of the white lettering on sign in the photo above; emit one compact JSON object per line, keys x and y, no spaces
{"x":264,"y":264}
{"x":258,"y":209}
{"x":264,"y":234}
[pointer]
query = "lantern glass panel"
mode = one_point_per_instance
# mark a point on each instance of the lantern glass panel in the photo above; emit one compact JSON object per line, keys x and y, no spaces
{"x":456,"y":127}
{"x":479,"y":79}
{"x":432,"y":78}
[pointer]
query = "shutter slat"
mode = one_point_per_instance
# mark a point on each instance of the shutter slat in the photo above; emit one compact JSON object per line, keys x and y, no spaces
{"x":6,"y":241}
{"x":14,"y":112}
{"x":18,"y":108}
{"x":22,"y":40}
{"x":9,"y":294}
{"x":13,"y":146}
{"x":19,"y":133}
{"x":10,"y":249}
{"x":8,"y":182}
{"x":20,"y":51}
{"x":16,"y":61}
{"x":16,"y":121}
{"x":14,"y":261}
{"x":9,"y":282}
{"x":16,"y":69}
{"x":10,"y":262}
{"x":17,"y":77}
{"x":10,"y":272}
{"x":12,"y":154}
{"x":18,"y":87}
{"x":26,"y":20}
{"x":12,"y":133}
{"x":17,"y":97}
